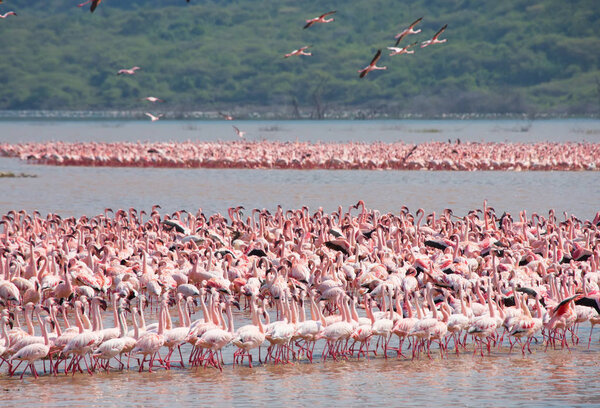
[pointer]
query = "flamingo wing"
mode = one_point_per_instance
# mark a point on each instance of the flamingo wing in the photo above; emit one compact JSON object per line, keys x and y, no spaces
{"x":309,"y":23}
{"x":563,"y":306}
{"x":589,"y":302}
{"x":414,"y":23}
{"x":440,"y":31}
{"x":375,"y":58}
{"x":400,"y":37}
{"x":327,"y":14}
{"x":94,"y":5}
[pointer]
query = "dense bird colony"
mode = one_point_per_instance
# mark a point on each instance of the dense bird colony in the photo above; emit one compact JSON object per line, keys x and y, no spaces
{"x":304,"y":155}
{"x":364,"y":277}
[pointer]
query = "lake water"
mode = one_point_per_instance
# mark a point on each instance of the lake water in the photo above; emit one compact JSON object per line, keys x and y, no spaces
{"x":558,"y":378}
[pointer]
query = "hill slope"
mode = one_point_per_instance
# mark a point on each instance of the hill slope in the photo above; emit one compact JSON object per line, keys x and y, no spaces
{"x":510,"y":56}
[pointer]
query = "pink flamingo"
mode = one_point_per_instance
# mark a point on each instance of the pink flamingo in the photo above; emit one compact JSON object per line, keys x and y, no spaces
{"x":216,"y":339}
{"x":9,"y":13}
{"x":152,"y":99}
{"x":299,"y":51}
{"x":250,"y":336}
{"x":400,"y":51}
{"x":239,"y":132}
{"x":150,"y":343}
{"x":372,"y":65}
{"x":130,"y":71}
{"x":93,"y":6}
{"x":33,"y":352}
{"x":407,"y":31}
{"x":435,"y":40}
{"x":226,"y":116}
{"x":153,"y":118}
{"x":321,"y":19}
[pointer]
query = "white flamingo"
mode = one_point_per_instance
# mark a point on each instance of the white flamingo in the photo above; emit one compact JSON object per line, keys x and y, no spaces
{"x":407,"y":31}
{"x":435,"y":40}
{"x":372,"y":65}
{"x":321,"y":19}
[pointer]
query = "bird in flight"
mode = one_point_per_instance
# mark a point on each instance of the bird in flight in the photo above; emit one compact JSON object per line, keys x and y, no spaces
{"x":400,"y":51}
{"x":128,"y":71}
{"x":407,"y":31}
{"x":93,"y":6}
{"x":372,"y":65}
{"x":152,"y":117}
{"x":152,"y":99}
{"x":8,"y":13}
{"x":238,"y":132}
{"x":435,"y":40}
{"x":300,"y":51}
{"x":320,"y":19}
{"x":226,"y":116}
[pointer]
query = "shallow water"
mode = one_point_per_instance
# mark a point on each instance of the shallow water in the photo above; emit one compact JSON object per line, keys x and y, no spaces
{"x":409,"y":131}
{"x":552,"y":378}
{"x":558,"y":378}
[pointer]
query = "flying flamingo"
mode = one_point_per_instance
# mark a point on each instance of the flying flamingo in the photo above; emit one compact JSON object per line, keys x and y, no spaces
{"x":371,"y":67}
{"x":435,"y":40}
{"x":130,"y":71}
{"x":300,"y":51}
{"x":239,"y":132}
{"x":9,"y":13}
{"x":407,"y":31}
{"x":152,"y":99}
{"x":93,"y":6}
{"x":400,"y":51}
{"x":226,"y":116}
{"x":152,"y":117}
{"x":320,"y":19}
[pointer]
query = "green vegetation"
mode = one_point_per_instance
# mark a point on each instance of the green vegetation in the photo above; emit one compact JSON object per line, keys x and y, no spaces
{"x":513,"y":56}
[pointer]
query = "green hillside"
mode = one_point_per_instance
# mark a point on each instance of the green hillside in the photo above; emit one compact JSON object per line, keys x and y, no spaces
{"x":509,"y":56}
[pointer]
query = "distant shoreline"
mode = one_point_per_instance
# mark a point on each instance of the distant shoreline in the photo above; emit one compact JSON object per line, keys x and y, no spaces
{"x":266,"y":115}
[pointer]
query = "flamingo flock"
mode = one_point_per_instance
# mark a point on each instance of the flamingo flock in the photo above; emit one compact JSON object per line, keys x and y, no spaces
{"x":469,"y":156}
{"x":395,"y":285}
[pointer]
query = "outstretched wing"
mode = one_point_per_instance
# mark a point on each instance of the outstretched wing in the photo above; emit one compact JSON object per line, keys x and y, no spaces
{"x":376,"y":57}
{"x":440,"y":31}
{"x":328,"y":14}
{"x":309,"y":23}
{"x":94,"y":5}
{"x":414,"y":23}
{"x":400,"y":37}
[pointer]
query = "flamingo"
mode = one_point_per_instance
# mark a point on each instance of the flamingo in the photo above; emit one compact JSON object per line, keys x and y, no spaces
{"x":400,"y":51}
{"x":130,"y":71}
{"x":250,"y":336}
{"x":435,"y":40}
{"x":34,"y":352}
{"x":321,"y":19}
{"x":299,"y":51}
{"x":150,"y":343}
{"x":9,"y":13}
{"x":152,"y":117}
{"x":117,"y":346}
{"x":226,"y":116}
{"x":93,"y":6}
{"x":407,"y":31}
{"x":152,"y":99}
{"x":371,"y":67}
{"x":216,"y":339}
{"x":239,"y":132}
